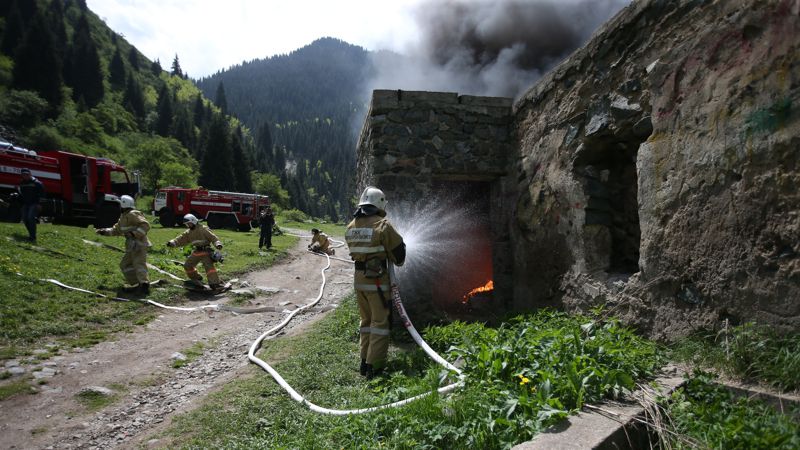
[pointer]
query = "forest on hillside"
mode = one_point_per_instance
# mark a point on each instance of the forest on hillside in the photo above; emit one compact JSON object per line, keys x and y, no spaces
{"x":309,"y":105}
{"x":68,"y":82}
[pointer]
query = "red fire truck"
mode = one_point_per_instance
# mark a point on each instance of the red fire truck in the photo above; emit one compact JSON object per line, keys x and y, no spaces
{"x":79,"y":189}
{"x":234,"y":210}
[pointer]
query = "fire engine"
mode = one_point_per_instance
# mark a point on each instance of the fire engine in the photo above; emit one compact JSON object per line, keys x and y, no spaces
{"x":234,"y":210}
{"x":79,"y":189}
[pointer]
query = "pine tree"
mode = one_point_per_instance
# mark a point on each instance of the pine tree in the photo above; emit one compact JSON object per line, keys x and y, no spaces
{"x":133,"y":99}
{"x":216,"y":169}
{"x":133,"y":59}
{"x":116,"y":71}
{"x":241,"y":165}
{"x":12,"y":36}
{"x":176,"y":67}
{"x":55,"y":16}
{"x":199,"y":111}
{"x":37,"y":67}
{"x":155,"y":68}
{"x":265,"y":161}
{"x":184,"y":129}
{"x":220,"y":100}
{"x":87,"y":76}
{"x":163,"y":125}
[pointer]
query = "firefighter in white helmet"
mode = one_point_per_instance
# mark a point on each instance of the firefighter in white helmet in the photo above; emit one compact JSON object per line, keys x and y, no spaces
{"x":373,"y":243}
{"x":202,"y":240}
{"x":134,"y":227}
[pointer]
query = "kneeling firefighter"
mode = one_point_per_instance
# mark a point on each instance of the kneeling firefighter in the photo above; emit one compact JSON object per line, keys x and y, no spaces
{"x":373,"y":242}
{"x":134,"y":227}
{"x":202,"y":240}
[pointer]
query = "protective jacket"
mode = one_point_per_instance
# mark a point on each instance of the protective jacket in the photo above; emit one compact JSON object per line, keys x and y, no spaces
{"x":199,"y":236}
{"x":134,"y":227}
{"x":373,"y":241}
{"x":321,"y":239}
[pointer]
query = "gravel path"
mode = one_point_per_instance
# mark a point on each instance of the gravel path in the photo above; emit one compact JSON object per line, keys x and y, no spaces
{"x":136,"y":368}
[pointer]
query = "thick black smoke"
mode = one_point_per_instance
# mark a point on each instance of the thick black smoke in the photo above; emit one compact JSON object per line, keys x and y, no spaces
{"x":497,"y":48}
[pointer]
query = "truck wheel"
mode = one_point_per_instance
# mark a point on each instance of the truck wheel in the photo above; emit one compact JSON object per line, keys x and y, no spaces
{"x":231,"y":223}
{"x":215,"y":221}
{"x":106,"y":215}
{"x":11,"y":213}
{"x":245,"y":226}
{"x":166,"y":218}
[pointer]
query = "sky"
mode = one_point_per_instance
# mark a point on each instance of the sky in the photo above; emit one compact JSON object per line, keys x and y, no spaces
{"x":477,"y":47}
{"x":212,"y":35}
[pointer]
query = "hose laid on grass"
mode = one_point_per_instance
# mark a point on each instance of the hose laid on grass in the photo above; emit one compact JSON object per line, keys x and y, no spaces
{"x":341,"y":412}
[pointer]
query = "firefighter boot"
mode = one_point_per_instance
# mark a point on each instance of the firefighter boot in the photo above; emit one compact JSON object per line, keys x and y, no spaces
{"x":363,"y":369}
{"x":371,"y":372}
{"x":144,"y":288}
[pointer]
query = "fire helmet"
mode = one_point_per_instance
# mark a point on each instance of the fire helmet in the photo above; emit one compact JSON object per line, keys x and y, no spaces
{"x":126,"y":202}
{"x":373,"y":196}
{"x":190,"y":218}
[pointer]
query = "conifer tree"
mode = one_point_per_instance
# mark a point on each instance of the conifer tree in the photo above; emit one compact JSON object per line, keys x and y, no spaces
{"x":184,"y":129}
{"x":176,"y":67}
{"x":37,"y":67}
{"x":241,"y":165}
{"x":133,"y":59}
{"x":265,"y":161}
{"x":216,"y":169}
{"x":55,"y":16}
{"x":133,"y":99}
{"x":163,"y":124}
{"x":87,"y":76}
{"x":155,"y":68}
{"x":220,"y":99}
{"x":116,"y":71}
{"x":15,"y":28}
{"x":199,"y":111}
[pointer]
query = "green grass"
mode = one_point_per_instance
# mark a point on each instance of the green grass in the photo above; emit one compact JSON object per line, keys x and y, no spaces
{"x":33,"y":313}
{"x":521,"y":377}
{"x":191,"y":353}
{"x":16,"y":387}
{"x":94,"y":401}
{"x":705,"y":415}
{"x":306,"y":224}
{"x":750,"y":352}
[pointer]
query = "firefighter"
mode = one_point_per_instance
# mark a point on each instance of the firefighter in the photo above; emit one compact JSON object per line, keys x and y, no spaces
{"x":134,"y":227}
{"x":320,"y":242}
{"x":202,"y":240}
{"x":30,"y":190}
{"x":266,"y":221}
{"x":373,"y":242}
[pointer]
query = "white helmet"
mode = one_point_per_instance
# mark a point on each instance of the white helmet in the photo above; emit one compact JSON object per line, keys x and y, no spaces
{"x":190,"y":218}
{"x":373,"y":196}
{"x":126,"y":201}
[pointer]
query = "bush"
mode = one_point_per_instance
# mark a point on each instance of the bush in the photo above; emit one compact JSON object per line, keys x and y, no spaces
{"x":22,"y":109}
{"x":43,"y":138}
{"x":294,"y":215}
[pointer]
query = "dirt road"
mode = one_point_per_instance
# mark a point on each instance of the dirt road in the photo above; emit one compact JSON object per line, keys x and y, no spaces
{"x":137,"y":366}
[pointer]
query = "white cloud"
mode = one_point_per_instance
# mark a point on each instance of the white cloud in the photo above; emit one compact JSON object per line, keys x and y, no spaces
{"x":210,"y":35}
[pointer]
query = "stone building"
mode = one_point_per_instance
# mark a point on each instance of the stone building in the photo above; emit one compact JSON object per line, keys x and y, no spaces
{"x":655,"y":171}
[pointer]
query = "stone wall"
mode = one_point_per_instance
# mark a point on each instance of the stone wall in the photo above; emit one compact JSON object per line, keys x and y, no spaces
{"x":682,"y":113}
{"x":655,"y":171}
{"x":423,"y":149}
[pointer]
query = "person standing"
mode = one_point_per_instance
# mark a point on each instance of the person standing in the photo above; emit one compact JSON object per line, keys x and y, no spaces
{"x":133,"y":225}
{"x":31,"y":191}
{"x":373,"y":243}
{"x":266,"y":222}
{"x":202,"y":239}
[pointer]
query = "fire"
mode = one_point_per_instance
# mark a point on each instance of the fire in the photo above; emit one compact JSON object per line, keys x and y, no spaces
{"x":489,"y":286}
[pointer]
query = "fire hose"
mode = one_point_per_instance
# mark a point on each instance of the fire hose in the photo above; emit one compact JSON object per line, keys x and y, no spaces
{"x":398,"y":303}
{"x":272,"y":333}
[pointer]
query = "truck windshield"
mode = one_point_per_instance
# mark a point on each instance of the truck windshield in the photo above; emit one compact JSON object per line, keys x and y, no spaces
{"x":119,"y":176}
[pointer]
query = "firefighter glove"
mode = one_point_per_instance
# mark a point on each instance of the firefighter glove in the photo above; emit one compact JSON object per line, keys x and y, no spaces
{"x":219,"y":246}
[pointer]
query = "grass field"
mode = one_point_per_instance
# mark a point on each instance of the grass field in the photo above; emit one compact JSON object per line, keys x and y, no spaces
{"x":39,"y":315}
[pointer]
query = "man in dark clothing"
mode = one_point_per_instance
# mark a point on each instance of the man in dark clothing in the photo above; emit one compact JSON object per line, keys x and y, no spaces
{"x":30,"y":191}
{"x":266,"y":222}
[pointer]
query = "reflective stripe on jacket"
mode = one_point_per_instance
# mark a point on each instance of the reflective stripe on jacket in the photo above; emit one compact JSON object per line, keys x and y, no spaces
{"x":371,"y":237}
{"x":198,"y":233}
{"x":132,"y":225}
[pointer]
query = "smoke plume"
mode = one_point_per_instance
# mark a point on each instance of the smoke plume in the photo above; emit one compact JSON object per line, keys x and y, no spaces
{"x":494,"y":48}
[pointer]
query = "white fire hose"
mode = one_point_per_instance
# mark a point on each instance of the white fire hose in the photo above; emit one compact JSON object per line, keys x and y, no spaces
{"x":271,"y":333}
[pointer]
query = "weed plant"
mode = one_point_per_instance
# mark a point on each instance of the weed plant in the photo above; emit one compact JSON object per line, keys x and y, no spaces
{"x":706,"y":415}
{"x":749,"y":351}
{"x":521,"y":377}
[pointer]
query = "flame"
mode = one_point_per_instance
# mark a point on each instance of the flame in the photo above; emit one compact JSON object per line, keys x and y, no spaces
{"x":489,"y":286}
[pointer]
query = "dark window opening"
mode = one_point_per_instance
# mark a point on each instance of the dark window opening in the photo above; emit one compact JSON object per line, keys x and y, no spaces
{"x":611,"y":228}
